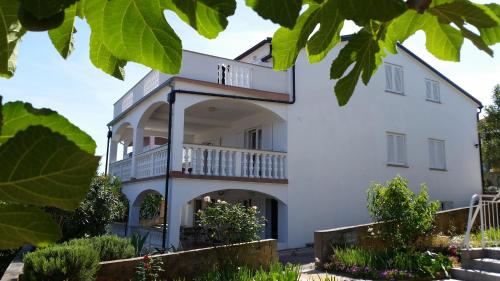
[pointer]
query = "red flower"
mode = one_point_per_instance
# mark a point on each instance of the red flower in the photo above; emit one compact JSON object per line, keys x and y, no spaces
{"x":146,"y":257}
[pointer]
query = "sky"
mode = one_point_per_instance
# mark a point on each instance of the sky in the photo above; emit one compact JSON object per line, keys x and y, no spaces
{"x":85,"y":95}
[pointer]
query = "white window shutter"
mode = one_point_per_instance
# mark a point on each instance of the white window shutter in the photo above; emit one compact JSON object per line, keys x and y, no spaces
{"x":388,"y":77}
{"x":428,"y":89}
{"x":435,"y":91}
{"x":432,"y":154}
{"x":400,"y":150}
{"x":391,"y":157}
{"x":398,"y":79}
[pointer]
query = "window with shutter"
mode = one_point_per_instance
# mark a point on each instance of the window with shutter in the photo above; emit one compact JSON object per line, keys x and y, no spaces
{"x":396,"y":149}
{"x":437,"y":156}
{"x":432,"y":90}
{"x":394,"y":81}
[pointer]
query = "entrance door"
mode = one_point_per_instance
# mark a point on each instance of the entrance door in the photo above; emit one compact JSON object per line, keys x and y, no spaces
{"x":271,"y":218}
{"x":254,"y":139}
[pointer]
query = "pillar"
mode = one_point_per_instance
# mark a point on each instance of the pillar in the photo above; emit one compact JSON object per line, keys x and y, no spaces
{"x":138,"y":143}
{"x":174,"y":213}
{"x":177,"y":136}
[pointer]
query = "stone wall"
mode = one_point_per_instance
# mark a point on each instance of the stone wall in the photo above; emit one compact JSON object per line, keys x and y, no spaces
{"x":452,"y":221}
{"x":188,"y":264}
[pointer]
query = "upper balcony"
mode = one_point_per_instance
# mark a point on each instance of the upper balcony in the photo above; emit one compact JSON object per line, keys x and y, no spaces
{"x":209,"y":69}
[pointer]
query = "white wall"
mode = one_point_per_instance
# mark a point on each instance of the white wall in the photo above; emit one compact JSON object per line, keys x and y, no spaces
{"x":334,"y":152}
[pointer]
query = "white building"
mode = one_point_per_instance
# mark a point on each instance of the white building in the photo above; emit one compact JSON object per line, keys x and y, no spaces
{"x":278,"y":140}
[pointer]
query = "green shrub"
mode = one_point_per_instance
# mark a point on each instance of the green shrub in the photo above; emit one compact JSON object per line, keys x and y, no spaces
{"x":385,"y":264}
{"x":150,"y":206}
{"x":227,"y":223}
{"x":108,"y":247}
{"x":61,"y":262}
{"x":407,"y":216}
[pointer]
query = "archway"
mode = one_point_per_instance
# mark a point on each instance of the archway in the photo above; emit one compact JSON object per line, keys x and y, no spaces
{"x":146,"y":215}
{"x":152,"y":127}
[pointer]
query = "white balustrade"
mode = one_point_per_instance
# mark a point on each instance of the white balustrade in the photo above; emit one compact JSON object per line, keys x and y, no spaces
{"x":235,"y":75}
{"x":233,"y":162}
{"x":151,"y":163}
{"x":121,"y":169}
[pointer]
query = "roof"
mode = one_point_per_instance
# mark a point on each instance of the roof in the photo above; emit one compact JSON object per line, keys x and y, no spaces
{"x":401,"y":47}
{"x":252,"y":49}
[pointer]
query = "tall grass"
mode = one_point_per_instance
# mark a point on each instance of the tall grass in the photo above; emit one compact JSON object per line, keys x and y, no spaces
{"x":276,"y":272}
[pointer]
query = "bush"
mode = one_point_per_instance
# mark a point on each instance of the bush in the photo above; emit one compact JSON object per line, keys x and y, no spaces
{"x":226,"y":223}
{"x":389,"y":264}
{"x":61,"y":262}
{"x":150,"y":207}
{"x":108,"y":247}
{"x":407,"y":216}
{"x":103,"y":204}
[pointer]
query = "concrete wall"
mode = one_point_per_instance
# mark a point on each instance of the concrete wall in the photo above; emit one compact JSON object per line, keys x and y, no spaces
{"x":359,"y":235}
{"x":189,"y":264}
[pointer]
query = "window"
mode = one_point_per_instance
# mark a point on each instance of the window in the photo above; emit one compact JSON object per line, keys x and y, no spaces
{"x":437,"y":156}
{"x":396,"y":149}
{"x":432,"y":90}
{"x":394,"y":78}
{"x":253,"y":139}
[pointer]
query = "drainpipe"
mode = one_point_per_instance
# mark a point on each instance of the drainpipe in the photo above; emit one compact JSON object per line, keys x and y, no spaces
{"x":110,"y":134}
{"x":480,"y":108}
{"x":171,"y":101}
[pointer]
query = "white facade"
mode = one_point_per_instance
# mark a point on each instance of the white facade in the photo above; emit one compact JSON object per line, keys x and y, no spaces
{"x":306,"y":164}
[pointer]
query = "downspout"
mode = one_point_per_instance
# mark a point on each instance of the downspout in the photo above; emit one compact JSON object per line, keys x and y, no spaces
{"x":110,"y":134}
{"x":479,"y":147}
{"x":171,"y":101}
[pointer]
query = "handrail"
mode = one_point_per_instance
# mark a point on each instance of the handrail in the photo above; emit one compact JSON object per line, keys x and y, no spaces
{"x":487,"y":208}
{"x":229,"y":148}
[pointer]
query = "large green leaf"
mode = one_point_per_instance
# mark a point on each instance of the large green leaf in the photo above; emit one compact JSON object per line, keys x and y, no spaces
{"x":328,"y":35}
{"x":11,"y":32}
{"x":18,"y":116}
{"x":460,"y":11}
{"x":20,"y":225}
{"x":100,"y":55}
{"x":476,"y":40}
{"x":362,"y":11}
{"x":44,"y":9}
{"x":136,"y":30}
{"x":282,"y":12}
{"x":287,"y":43}
{"x":208,"y":17}
{"x":44,"y":168}
{"x":491,"y":35}
{"x":62,"y":36}
{"x":365,"y":53}
{"x":403,"y":27}
{"x":442,"y":40}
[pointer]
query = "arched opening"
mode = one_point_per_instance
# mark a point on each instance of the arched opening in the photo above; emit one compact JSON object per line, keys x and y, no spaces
{"x":222,"y":134}
{"x":154,"y":127}
{"x":271,"y":208}
{"x":146,"y":215}
{"x":123,"y":136}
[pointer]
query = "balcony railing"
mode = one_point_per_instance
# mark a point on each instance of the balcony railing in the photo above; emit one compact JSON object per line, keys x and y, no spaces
{"x":233,"y":162}
{"x":207,"y":161}
{"x":212,"y":69}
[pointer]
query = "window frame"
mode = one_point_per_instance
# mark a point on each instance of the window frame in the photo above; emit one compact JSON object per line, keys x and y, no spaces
{"x":432,"y":94}
{"x":444,"y":167}
{"x":404,"y":163}
{"x":392,"y":80}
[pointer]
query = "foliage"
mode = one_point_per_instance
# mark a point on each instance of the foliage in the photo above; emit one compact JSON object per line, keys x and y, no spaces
{"x":276,"y":272}
{"x":61,"y":262}
{"x":46,"y":162}
{"x":227,"y":223}
{"x":149,"y":269}
{"x":407,"y":216}
{"x":137,"y":30}
{"x":489,"y":128}
{"x":138,"y":242}
{"x":102,"y":205}
{"x":390,"y":264}
{"x":150,"y":206}
{"x":108,"y":247}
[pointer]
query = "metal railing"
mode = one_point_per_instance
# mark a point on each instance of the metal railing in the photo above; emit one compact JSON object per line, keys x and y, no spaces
{"x":486,"y":207}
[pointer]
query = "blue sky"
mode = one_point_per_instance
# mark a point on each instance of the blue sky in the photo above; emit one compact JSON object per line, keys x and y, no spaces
{"x":85,"y":95}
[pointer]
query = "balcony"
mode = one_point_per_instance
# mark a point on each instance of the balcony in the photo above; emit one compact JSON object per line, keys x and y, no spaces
{"x":206,"y":161}
{"x":210,"y":69}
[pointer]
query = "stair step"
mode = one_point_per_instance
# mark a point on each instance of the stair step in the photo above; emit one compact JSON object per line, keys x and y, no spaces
{"x":474,"y":275}
{"x":485,"y":264}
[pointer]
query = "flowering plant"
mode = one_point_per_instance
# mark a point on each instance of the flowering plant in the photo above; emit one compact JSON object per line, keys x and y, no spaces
{"x":149,"y":269}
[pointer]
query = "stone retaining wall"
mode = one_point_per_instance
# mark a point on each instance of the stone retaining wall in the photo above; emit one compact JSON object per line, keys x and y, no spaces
{"x":452,"y":221}
{"x":188,"y":264}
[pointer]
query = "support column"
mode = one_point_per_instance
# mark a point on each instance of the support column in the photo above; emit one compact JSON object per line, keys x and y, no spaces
{"x":177,"y":136}
{"x":133,"y":218}
{"x":174,"y":219}
{"x":138,"y":145}
{"x":113,"y":151}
